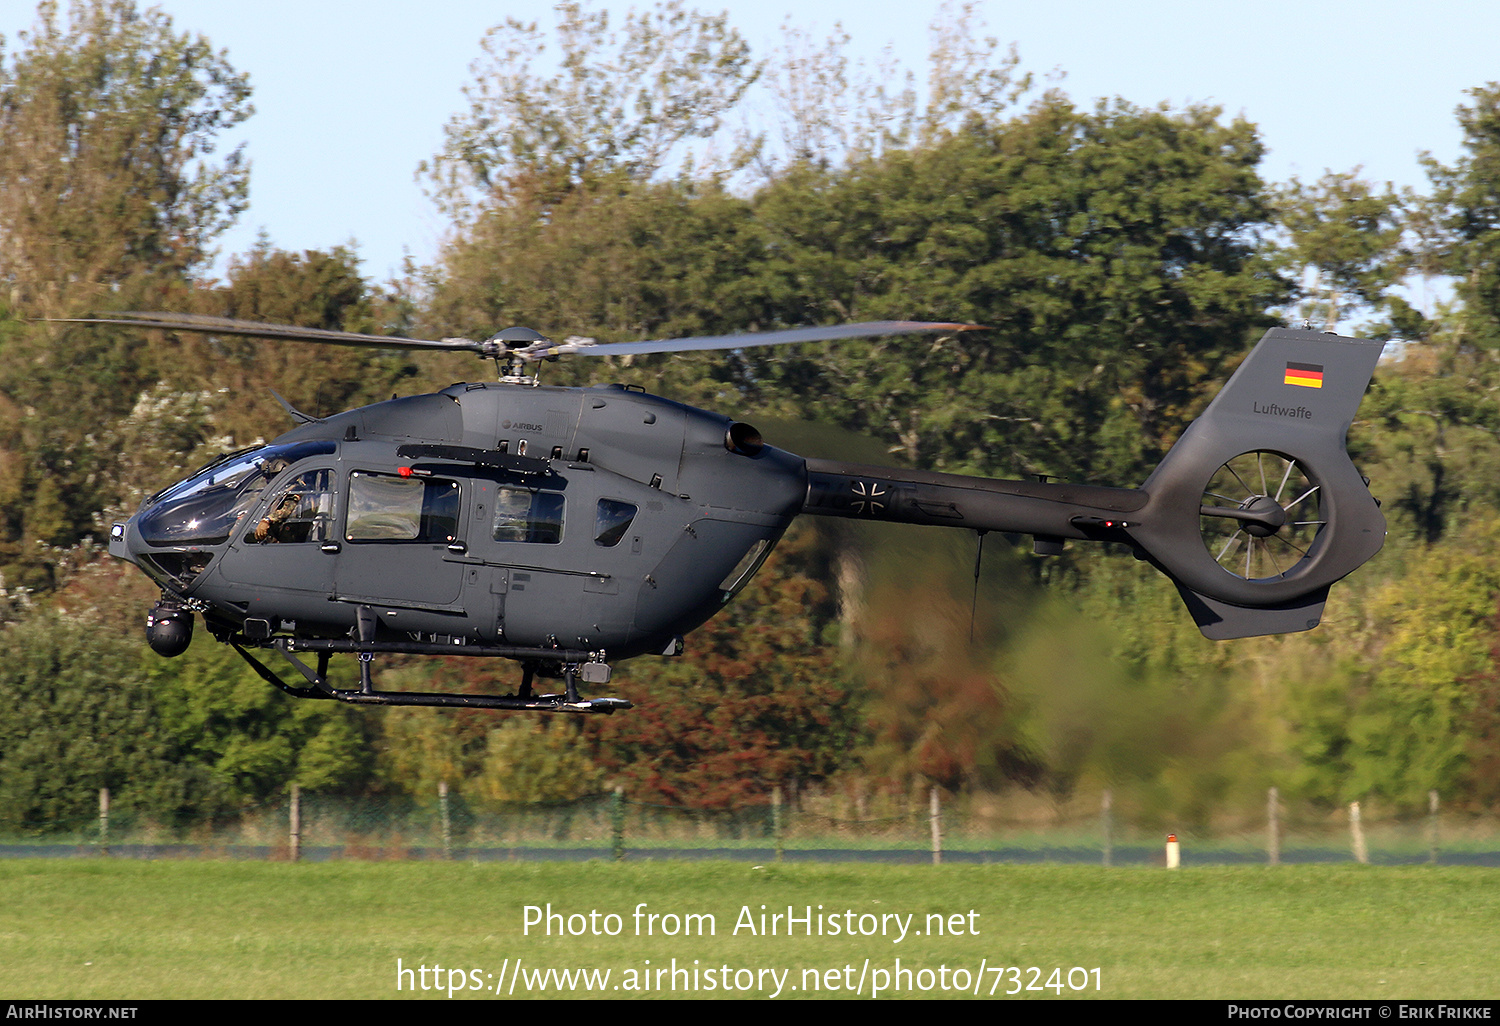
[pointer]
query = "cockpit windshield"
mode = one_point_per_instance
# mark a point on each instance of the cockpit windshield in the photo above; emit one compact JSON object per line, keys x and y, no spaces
{"x":205,"y":508}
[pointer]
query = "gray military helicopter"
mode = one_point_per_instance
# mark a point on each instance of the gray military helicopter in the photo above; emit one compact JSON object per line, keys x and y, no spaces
{"x":567,"y":527}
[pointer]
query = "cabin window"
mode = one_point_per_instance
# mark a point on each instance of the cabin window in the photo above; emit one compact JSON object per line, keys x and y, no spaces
{"x":300,"y":512}
{"x":384,"y":507}
{"x":613,"y":520}
{"x":527,"y":515}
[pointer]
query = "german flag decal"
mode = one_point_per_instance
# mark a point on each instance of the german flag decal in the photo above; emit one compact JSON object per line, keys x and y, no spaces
{"x":1308,"y":375}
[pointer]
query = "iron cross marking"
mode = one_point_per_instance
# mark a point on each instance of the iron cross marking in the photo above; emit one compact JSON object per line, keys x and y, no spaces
{"x":868,"y":494}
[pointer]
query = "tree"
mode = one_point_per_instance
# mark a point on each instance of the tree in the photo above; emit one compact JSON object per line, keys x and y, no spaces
{"x":1347,"y":234}
{"x":1413,"y":728}
{"x":1429,"y":438}
{"x":487,"y":758}
{"x":312,"y":289}
{"x":1114,"y":256}
{"x":538,"y":760}
{"x":1483,"y":753}
{"x":756,"y":701}
{"x":108,"y":123}
{"x":830,"y":112}
{"x":109,"y":198}
{"x":618,"y":262}
{"x":561,"y":221}
{"x":937,"y":711}
{"x":621,"y":102}
{"x":1469,"y":191}
{"x":77,"y":713}
{"x":252,"y":740}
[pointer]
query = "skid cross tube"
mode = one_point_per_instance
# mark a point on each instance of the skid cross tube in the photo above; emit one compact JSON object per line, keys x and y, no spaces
{"x":321,"y":688}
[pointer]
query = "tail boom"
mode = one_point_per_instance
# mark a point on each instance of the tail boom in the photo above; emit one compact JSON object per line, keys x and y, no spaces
{"x":862,"y":492}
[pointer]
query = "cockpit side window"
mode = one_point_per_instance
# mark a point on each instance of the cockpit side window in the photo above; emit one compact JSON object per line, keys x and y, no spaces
{"x":385,"y":507}
{"x":301,"y":512}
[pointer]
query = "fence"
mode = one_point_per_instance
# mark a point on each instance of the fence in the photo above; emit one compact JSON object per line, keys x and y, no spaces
{"x":1109,"y":829}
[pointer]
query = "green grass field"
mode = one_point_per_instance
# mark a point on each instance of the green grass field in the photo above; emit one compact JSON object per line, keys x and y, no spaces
{"x":135,"y":930}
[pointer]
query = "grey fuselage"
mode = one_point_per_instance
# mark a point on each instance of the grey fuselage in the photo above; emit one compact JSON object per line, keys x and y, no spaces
{"x":602,"y":519}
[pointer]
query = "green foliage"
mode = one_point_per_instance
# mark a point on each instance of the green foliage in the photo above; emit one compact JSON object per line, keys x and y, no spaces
{"x":1121,"y":691}
{"x":109,"y":197}
{"x":109,"y":120}
{"x":1409,"y":734}
{"x":78,"y":713}
{"x":1429,"y":439}
{"x":313,"y":289}
{"x":1348,"y":235}
{"x":253,"y":740}
{"x":1112,"y":254}
{"x":617,"y":262}
{"x":489,"y":759}
{"x":1468,"y":193}
{"x":1482,"y":731}
{"x":420,"y":749}
{"x":545,"y":759}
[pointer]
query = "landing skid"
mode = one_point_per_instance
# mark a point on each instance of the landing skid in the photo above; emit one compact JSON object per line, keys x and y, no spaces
{"x":574,"y":665}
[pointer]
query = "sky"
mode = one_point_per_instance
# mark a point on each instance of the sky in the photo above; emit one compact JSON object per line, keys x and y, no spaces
{"x":351,"y":96}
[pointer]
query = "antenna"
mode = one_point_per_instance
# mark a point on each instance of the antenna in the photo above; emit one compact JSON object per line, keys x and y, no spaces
{"x":974,"y":601}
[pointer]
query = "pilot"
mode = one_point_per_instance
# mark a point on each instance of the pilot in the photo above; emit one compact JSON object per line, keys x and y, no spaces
{"x":273,"y":526}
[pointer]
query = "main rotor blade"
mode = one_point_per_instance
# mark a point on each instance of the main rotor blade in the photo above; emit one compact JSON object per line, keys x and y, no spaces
{"x":533,"y":352}
{"x":828,"y":333}
{"x":284,"y":332}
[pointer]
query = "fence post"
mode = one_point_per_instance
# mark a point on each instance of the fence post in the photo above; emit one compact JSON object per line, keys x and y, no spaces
{"x":447,"y":820}
{"x":103,"y":821}
{"x":617,"y":823}
{"x":776,"y":819}
{"x":1432,"y":827}
{"x":296,"y":824}
{"x":1106,"y":814}
{"x":935,"y":814}
{"x":1273,"y":828}
{"x":1357,"y":831}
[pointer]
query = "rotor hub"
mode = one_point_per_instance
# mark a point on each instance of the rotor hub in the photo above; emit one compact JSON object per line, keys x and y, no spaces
{"x":516,"y":338}
{"x":1262,"y":516}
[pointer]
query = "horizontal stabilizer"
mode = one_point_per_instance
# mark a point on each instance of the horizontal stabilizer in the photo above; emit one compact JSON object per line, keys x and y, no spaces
{"x":1220,"y":621}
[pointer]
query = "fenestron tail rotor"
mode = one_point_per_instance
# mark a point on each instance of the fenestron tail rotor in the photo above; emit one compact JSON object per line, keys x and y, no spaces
{"x":1260,"y":515}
